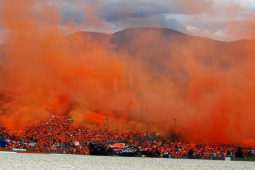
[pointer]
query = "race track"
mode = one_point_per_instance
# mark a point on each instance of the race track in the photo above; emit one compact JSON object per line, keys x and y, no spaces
{"x":61,"y":161}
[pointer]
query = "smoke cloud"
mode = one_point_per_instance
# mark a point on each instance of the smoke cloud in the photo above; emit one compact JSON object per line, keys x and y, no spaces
{"x":205,"y":85}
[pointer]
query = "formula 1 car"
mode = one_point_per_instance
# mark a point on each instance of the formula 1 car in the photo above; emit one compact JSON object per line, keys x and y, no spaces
{"x":117,"y":148}
{"x":100,"y":149}
{"x":135,"y":151}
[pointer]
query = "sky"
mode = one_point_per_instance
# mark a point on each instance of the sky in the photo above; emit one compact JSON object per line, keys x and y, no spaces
{"x":225,"y":20}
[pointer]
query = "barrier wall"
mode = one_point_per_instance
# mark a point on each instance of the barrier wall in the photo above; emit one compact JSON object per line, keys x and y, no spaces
{"x":17,"y":149}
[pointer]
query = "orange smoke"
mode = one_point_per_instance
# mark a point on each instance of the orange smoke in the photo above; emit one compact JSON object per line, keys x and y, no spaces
{"x":153,"y":76}
{"x":59,"y":74}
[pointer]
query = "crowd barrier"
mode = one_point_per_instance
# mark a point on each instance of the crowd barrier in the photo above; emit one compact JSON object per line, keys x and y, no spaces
{"x":19,"y":150}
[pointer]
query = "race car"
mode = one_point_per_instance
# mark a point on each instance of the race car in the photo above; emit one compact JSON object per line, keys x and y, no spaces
{"x":135,"y":151}
{"x":131,"y":151}
{"x":117,"y":148}
{"x":150,"y":153}
{"x":100,"y":149}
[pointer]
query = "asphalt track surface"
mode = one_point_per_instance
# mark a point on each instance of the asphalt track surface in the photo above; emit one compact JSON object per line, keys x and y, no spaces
{"x":62,"y":161}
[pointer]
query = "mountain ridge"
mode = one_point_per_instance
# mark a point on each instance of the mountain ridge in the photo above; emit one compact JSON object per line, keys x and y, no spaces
{"x":161,"y":50}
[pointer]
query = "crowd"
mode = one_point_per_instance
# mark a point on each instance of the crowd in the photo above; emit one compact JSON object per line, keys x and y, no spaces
{"x":60,"y":136}
{"x":203,"y":151}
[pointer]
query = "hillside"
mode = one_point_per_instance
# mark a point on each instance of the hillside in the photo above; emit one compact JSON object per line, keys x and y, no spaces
{"x":163,"y":51}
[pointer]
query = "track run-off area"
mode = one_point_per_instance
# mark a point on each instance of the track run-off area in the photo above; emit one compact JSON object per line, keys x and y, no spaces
{"x":13,"y":160}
